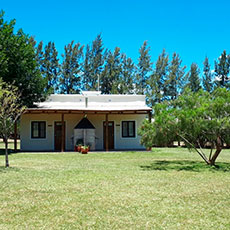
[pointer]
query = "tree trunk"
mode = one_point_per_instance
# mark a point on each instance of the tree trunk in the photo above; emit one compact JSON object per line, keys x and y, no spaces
{"x":216,"y":154}
{"x":213,"y":158}
{"x":6,"y":153}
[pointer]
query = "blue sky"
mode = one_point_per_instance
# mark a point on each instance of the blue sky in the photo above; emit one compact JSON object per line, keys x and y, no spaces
{"x":194,"y":29}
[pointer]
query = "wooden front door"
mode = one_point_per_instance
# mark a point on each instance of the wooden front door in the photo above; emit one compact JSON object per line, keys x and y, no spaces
{"x":111,"y":134}
{"x":58,"y":136}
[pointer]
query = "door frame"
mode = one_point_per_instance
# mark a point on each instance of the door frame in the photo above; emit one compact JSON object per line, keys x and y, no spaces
{"x":113,"y":134}
{"x":57,"y":121}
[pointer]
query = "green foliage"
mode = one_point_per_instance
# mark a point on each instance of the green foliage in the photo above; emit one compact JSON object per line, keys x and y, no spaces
{"x":18,"y":64}
{"x":156,"y":82}
{"x":194,"y":79}
{"x":222,"y":70}
{"x":199,"y":119}
{"x":10,"y":111}
{"x":144,"y":67}
{"x":207,"y":77}
{"x":70,"y":79}
{"x":111,"y":76}
{"x":50,"y":67}
{"x":86,"y":68}
{"x":175,"y":81}
{"x":128,"y":76}
{"x":93,"y":63}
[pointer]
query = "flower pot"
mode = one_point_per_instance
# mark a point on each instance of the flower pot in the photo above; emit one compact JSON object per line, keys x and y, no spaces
{"x":79,"y":148}
{"x":84,"y":151}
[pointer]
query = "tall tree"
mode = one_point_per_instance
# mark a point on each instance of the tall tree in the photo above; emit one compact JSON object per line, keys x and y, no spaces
{"x":144,"y":68}
{"x":111,"y":76}
{"x":93,"y":64}
{"x":18,"y":63}
{"x":156,"y":83}
{"x":39,"y":53}
{"x":175,"y":81}
{"x":222,"y":70}
{"x":86,"y":69}
{"x":70,"y":79}
{"x":128,"y":76}
{"x":207,"y":76}
{"x":50,"y":67}
{"x":10,"y":111}
{"x":193,"y":79}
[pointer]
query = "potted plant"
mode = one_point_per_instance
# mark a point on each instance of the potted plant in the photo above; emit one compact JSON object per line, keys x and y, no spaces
{"x":89,"y":146}
{"x":84,"y":149}
{"x":78,"y":145}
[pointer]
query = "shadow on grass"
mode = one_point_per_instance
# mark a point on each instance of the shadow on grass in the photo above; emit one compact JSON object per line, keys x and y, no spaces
{"x":10,"y":151}
{"x":3,"y":169}
{"x":177,"y":165}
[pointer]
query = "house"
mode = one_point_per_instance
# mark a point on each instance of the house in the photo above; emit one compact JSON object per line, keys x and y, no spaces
{"x":105,"y":122}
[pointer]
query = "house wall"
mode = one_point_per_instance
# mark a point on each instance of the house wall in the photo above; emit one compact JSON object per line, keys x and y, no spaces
{"x":47,"y":144}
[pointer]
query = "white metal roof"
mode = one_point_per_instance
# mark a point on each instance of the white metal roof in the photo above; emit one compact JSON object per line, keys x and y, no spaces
{"x":94,"y":102}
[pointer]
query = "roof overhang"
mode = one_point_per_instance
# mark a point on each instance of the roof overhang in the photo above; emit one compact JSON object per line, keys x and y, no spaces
{"x":84,"y":111}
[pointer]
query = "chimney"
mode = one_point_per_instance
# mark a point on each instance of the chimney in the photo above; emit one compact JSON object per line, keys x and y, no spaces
{"x":86,"y":102}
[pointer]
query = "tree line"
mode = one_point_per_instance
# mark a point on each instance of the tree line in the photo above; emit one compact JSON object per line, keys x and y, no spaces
{"x":96,"y":68}
{"x":93,"y":67}
{"x":38,"y":70}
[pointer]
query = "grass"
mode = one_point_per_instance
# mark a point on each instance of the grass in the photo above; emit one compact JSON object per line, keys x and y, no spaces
{"x":10,"y":146}
{"x":167,"y":188}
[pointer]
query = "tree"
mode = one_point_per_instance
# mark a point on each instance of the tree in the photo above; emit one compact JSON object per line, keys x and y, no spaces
{"x":193,"y":79}
{"x":128,"y":76}
{"x":86,"y":69}
{"x":18,"y":63}
{"x":207,"y":76}
{"x":50,"y":67}
{"x":175,"y":81}
{"x":70,"y":79}
{"x":156,"y":82}
{"x":222,"y":70}
{"x":198,"y":118}
{"x":111,"y":76}
{"x":10,"y":111}
{"x":93,"y":63}
{"x":144,"y":67}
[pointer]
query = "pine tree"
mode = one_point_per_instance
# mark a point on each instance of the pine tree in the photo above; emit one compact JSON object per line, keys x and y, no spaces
{"x":128,"y":77}
{"x":156,"y":83}
{"x":96,"y":61}
{"x":70,"y":79}
{"x":39,"y":54}
{"x":93,"y":64}
{"x":222,"y":70}
{"x":175,"y":81}
{"x":207,"y":76}
{"x":87,"y":70}
{"x":144,"y":68}
{"x":193,"y":79}
{"x":111,"y":76}
{"x":50,"y":67}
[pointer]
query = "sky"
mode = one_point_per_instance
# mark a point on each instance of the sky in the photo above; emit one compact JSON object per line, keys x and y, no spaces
{"x":193,"y":29}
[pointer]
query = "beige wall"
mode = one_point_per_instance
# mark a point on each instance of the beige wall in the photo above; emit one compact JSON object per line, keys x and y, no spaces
{"x":28,"y":144}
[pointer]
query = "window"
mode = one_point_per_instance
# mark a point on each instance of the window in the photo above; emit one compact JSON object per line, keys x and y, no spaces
{"x":38,"y":129}
{"x":128,"y":128}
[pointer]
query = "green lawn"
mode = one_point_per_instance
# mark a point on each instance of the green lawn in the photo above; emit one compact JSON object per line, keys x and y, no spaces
{"x":163,"y":189}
